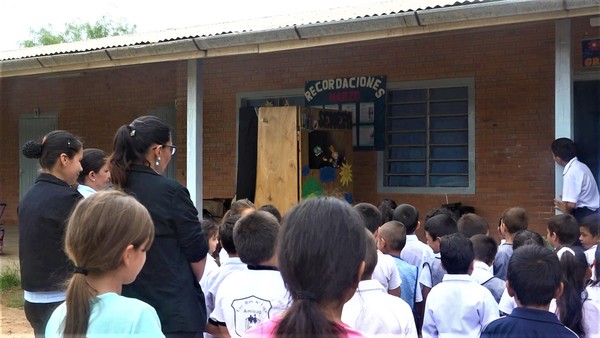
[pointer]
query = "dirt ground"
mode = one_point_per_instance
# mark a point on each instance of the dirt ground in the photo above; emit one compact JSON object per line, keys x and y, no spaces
{"x":12,"y":320}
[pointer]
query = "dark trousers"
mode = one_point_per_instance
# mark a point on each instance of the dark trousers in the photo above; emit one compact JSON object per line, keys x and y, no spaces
{"x":581,"y":213}
{"x":38,"y":315}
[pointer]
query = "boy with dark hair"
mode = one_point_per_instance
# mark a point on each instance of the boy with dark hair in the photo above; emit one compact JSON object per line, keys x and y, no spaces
{"x":371,"y":310}
{"x":533,"y":279}
{"x":485,"y":249}
{"x":513,"y":220}
{"x":385,"y":270}
{"x":247,"y":297}
{"x":580,"y":196}
{"x":472,"y":224}
{"x":415,"y":252}
{"x":391,"y":241}
{"x":436,"y":227}
{"x":272,"y":210}
{"x":458,"y":306}
{"x":589,"y":230}
{"x":563,"y":232}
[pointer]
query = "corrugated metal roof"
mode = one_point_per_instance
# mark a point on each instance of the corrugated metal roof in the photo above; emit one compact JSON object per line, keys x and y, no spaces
{"x":237,"y":27}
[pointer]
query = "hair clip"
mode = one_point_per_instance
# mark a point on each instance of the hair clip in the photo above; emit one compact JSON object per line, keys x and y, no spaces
{"x":132,"y":133}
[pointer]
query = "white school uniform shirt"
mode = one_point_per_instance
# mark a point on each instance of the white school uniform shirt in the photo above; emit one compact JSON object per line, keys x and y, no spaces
{"x":386,"y":272}
{"x":247,"y":298}
{"x":507,"y":303}
{"x":210,"y":268}
{"x":593,"y":292}
{"x":416,"y":252}
{"x":579,"y":185}
{"x":433,"y":271}
{"x":458,"y":307}
{"x":375,"y":313}
{"x":214,"y":280}
{"x":590,"y":255}
{"x":590,"y":320}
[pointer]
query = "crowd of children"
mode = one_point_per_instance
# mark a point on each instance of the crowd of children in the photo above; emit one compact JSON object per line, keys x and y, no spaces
{"x":323,"y":269}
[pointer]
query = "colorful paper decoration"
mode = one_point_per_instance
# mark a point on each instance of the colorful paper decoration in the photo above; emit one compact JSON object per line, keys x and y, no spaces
{"x":311,"y":188}
{"x":327,"y":174}
{"x":346,"y":174}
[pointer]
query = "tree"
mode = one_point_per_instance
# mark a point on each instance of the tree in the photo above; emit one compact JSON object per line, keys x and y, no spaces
{"x":78,"y":32}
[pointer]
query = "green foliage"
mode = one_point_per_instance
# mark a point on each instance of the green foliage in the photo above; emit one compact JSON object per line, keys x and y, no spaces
{"x":78,"y":32}
{"x":10,"y":278}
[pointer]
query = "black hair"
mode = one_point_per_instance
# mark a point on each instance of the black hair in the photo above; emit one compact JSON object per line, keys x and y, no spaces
{"x":515,"y":219}
{"x":270,"y":208}
{"x":592,"y":224}
{"x":255,"y":237}
{"x":570,"y":305}
{"x":472,"y":224}
{"x":564,"y":148}
{"x":54,"y":144}
{"x":370,"y":214}
{"x":132,"y":141}
{"x":93,"y":160}
{"x":394,"y":234}
{"x":525,"y":237}
{"x":370,"y":255}
{"x":407,"y":215}
{"x":440,"y":211}
{"x":316,"y":269}
{"x":386,"y":208}
{"x":209,"y":228}
{"x":534,"y":274}
{"x":565,"y":227}
{"x":226,"y":232}
{"x":484,"y":247}
{"x":440,"y":225}
{"x":457,"y":253}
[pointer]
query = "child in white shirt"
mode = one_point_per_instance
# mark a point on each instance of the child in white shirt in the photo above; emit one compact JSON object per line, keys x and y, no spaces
{"x":385,"y":270}
{"x":374,"y":312}
{"x":458,"y":306}
{"x":246,"y":298}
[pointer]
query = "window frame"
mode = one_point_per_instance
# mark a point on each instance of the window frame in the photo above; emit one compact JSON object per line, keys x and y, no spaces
{"x":468,"y":82}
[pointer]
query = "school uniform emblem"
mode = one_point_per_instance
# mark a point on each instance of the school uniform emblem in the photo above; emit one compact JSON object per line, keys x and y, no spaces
{"x":249,"y":312}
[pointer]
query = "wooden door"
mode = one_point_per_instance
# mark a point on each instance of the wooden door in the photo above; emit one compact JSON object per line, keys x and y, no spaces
{"x":277,"y":167}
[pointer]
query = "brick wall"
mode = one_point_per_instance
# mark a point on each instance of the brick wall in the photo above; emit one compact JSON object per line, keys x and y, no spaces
{"x":513,"y":68}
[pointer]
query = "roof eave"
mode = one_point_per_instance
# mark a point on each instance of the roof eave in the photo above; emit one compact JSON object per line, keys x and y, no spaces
{"x":430,"y":20}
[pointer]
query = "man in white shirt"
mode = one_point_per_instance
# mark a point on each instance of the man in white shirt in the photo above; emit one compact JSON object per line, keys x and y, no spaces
{"x":580,"y":195}
{"x":458,"y":306}
{"x":374,"y":312}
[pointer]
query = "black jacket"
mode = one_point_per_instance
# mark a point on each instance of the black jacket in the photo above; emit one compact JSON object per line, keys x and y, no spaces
{"x":43,"y":213}
{"x":166,"y":281}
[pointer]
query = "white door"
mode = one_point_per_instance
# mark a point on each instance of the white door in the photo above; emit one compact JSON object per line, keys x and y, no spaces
{"x":32,"y":128}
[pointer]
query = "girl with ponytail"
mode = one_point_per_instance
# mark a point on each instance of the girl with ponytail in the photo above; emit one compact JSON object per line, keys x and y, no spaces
{"x":106,"y":239}
{"x":321,"y":259}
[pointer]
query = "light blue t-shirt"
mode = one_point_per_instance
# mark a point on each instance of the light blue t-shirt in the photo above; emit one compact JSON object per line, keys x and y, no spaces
{"x":112,"y":315}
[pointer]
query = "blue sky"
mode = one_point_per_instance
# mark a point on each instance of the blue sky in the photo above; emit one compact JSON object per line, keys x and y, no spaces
{"x":18,"y":16}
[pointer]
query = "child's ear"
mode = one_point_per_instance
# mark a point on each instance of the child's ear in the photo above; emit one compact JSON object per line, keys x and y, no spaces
{"x":418,"y":226}
{"x":127,"y":255}
{"x":559,"y":291}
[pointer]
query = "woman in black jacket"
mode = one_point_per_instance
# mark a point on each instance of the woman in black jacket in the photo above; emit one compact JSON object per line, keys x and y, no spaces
{"x":175,"y":262}
{"x":43,"y":214}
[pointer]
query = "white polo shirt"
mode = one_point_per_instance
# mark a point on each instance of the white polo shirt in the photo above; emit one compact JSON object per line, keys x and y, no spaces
{"x":249,"y":297}
{"x":458,"y":307}
{"x":386,"y":272}
{"x":374,"y":312}
{"x":579,"y":185}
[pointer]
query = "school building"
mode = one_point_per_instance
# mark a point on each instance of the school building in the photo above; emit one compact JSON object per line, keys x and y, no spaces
{"x":457,"y":102}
